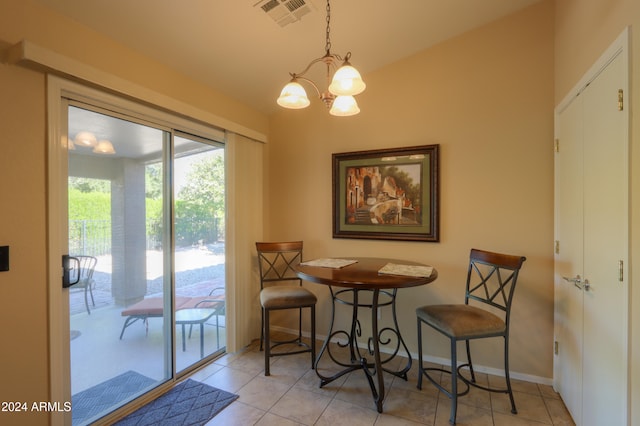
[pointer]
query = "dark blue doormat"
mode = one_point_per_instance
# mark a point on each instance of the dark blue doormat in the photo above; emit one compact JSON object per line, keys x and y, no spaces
{"x":190,"y":403}
{"x":104,"y":396}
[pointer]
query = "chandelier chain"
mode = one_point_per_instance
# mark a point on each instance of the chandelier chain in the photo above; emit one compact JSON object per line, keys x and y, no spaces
{"x":328,"y":43}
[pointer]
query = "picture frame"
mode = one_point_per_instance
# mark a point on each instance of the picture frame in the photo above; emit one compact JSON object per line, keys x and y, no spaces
{"x":387,"y":194}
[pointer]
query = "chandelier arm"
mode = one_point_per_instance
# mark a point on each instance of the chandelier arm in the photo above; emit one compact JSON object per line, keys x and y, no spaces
{"x":310,"y":82}
{"x":330,"y":58}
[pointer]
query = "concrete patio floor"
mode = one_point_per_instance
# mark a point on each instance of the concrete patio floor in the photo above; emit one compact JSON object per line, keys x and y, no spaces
{"x":98,"y":354}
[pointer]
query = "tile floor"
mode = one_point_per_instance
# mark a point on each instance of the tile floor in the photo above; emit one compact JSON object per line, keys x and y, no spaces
{"x":291,"y":396}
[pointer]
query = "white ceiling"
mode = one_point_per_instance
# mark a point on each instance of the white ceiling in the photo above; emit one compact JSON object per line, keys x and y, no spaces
{"x":237,"y":49}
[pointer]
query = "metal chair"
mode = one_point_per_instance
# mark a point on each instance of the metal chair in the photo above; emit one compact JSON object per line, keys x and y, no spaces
{"x":86,"y":281}
{"x":280,"y":288}
{"x":215,"y":300}
{"x":491,"y":281}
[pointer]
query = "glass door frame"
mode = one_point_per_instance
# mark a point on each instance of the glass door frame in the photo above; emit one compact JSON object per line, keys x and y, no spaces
{"x":59,"y":90}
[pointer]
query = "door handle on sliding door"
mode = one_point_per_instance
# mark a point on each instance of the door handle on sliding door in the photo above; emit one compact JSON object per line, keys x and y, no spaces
{"x":70,"y":270}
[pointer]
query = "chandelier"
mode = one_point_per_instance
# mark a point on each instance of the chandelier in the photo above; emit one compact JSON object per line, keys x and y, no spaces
{"x":341,"y":89}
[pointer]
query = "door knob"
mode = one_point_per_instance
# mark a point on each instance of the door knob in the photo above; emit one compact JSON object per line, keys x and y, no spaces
{"x":579,"y":282}
{"x":576,"y":279}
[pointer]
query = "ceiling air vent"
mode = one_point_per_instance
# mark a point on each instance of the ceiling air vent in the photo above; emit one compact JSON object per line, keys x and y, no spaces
{"x":285,"y":12}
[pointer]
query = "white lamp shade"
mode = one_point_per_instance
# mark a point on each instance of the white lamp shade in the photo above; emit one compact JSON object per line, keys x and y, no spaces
{"x":104,"y":147}
{"x":86,"y":139}
{"x":293,"y":96}
{"x":347,"y":81}
{"x":344,"y":106}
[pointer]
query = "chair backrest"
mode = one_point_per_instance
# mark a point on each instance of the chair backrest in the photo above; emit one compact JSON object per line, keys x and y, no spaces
{"x":276,"y":262}
{"x":491,"y":279}
{"x":87,"y":266}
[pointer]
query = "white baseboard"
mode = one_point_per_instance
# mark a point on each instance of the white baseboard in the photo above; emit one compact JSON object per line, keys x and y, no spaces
{"x":443,"y":361}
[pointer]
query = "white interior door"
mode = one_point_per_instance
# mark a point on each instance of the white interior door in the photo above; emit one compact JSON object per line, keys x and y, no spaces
{"x":605,"y":250}
{"x":569,"y":260}
{"x":592,"y":234}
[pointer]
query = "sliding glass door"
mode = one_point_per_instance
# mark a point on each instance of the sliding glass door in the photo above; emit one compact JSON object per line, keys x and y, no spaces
{"x":146,"y":246}
{"x":199,"y":211}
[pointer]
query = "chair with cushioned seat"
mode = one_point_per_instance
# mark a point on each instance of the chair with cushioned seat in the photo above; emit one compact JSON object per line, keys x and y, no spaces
{"x":491,"y":281}
{"x":280,"y":288}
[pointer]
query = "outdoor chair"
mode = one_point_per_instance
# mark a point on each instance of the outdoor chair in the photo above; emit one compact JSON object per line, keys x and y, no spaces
{"x":280,"y":288}
{"x":153,"y":307}
{"x":87,"y":265}
{"x":211,"y":301}
{"x":491,"y":281}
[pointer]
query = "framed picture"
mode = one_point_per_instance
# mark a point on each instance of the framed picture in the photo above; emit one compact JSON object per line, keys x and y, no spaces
{"x":387,"y":194}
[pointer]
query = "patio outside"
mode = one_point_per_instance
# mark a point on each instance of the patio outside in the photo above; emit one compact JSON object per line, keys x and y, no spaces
{"x":98,"y":354}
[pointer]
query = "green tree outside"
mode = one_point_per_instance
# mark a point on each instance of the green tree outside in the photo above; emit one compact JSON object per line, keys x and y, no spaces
{"x":199,"y":206}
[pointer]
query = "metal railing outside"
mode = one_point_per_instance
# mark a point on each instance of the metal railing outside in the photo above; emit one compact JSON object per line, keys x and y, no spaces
{"x":93,"y":237}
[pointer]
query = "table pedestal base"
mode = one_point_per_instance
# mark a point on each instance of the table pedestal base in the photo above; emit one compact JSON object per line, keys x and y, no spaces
{"x":389,"y":337}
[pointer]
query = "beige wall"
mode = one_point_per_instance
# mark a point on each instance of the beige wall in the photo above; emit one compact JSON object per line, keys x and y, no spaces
{"x":583,"y":31}
{"x":24,"y":369}
{"x":487,"y":98}
{"x":24,"y":366}
{"x":25,"y":19}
